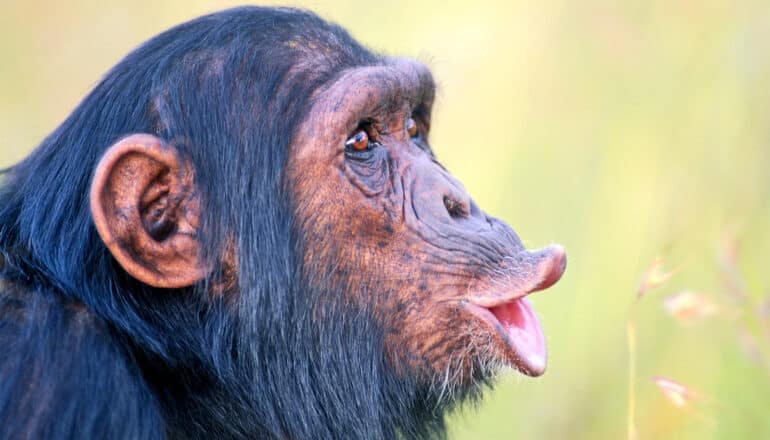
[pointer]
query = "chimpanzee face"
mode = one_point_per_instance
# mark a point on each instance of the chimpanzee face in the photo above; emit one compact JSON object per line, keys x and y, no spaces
{"x":449,"y":277}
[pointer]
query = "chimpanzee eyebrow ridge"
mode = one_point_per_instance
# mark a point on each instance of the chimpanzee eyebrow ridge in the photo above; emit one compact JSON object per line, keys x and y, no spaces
{"x":379,"y":89}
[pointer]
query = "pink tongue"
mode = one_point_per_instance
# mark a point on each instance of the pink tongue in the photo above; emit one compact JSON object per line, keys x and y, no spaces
{"x":525,"y":336}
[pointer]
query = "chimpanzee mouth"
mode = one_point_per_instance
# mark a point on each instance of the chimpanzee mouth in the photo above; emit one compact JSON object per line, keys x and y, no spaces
{"x":519,"y":330}
{"x":513,"y":318}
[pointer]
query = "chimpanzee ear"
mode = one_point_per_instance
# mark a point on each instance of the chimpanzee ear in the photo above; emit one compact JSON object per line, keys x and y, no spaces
{"x":146,"y":209}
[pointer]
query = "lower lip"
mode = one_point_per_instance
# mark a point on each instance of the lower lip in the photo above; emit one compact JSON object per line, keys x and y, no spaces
{"x":519,"y":328}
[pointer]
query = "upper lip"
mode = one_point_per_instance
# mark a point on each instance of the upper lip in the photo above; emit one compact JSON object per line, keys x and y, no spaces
{"x":544,"y":268}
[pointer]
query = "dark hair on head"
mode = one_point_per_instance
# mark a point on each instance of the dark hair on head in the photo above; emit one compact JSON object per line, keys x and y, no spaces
{"x":228,"y":91}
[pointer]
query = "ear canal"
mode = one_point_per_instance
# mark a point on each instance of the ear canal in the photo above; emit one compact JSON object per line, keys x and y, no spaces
{"x":157,"y":215}
{"x":146,"y":210}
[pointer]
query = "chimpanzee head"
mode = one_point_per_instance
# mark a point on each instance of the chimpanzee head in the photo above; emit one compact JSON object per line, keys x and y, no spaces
{"x":271,"y":215}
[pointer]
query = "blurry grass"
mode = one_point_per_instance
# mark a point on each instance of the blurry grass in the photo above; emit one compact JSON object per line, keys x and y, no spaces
{"x":655,"y":276}
{"x":622,"y":130}
{"x":734,"y":315}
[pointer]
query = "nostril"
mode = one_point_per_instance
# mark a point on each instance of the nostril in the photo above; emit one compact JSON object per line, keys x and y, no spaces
{"x":454,"y":208}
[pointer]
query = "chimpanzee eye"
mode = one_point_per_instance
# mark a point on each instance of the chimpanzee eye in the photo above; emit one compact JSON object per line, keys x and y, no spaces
{"x":359,"y":141}
{"x":411,"y":127}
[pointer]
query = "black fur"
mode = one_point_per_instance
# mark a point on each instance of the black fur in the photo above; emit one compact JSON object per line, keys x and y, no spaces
{"x":88,"y":352}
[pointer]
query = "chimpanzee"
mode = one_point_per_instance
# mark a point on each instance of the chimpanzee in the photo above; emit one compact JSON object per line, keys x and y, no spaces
{"x":243,"y":232}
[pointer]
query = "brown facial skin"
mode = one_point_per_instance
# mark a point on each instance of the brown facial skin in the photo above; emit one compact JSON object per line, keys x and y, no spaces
{"x":402,"y":232}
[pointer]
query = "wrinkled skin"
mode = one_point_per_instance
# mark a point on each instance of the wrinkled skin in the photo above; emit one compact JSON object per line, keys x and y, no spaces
{"x":413,"y":240}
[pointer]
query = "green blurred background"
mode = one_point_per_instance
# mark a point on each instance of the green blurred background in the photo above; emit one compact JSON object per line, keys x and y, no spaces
{"x":625,"y":131}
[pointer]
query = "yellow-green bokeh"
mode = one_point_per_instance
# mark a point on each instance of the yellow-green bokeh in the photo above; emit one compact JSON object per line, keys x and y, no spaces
{"x":622,"y":130}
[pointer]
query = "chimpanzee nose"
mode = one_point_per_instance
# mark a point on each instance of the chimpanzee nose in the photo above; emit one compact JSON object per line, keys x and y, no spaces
{"x":457,"y":207}
{"x":438,"y":195}
{"x":456,"y":200}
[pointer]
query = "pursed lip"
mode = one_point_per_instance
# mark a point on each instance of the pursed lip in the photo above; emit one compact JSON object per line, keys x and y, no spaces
{"x":511,"y":316}
{"x":542,"y":270}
